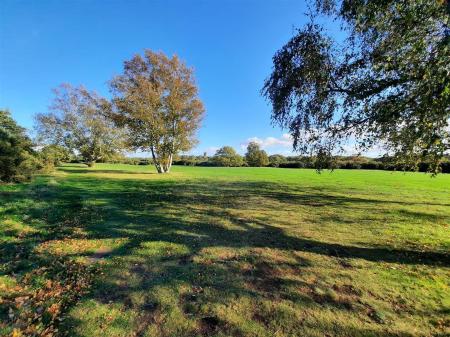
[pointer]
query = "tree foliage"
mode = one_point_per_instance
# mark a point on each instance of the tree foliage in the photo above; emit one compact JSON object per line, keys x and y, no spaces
{"x":227,"y":156}
{"x":78,"y":121}
{"x":156,"y":99}
{"x":255,"y":156}
{"x":276,"y":160}
{"x":387,"y":83}
{"x":17,"y":160}
{"x":51,"y":156}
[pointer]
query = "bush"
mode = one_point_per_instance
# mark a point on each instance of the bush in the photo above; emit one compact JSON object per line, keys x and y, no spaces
{"x":119,"y":159}
{"x":205,"y":163}
{"x":17,"y":158}
{"x":350,"y":165}
{"x":371,"y":165}
{"x":185,"y":162}
{"x":445,"y":166}
{"x":51,"y":156}
{"x":145,"y":162}
{"x":292,"y":164}
{"x":276,"y":160}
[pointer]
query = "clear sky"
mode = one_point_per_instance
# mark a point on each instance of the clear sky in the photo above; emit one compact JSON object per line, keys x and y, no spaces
{"x":230,"y":43}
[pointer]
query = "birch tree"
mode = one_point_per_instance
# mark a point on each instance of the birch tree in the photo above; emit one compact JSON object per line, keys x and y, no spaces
{"x":387,"y":83}
{"x":78,"y":121}
{"x":156,"y":100}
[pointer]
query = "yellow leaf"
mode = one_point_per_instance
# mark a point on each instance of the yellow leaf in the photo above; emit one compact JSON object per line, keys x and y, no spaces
{"x":16,"y":333}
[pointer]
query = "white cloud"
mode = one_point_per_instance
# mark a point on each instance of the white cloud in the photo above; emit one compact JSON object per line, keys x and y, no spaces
{"x":285,"y":141}
{"x":283,"y":145}
{"x":351,"y":149}
{"x":211,"y":150}
{"x":199,"y":151}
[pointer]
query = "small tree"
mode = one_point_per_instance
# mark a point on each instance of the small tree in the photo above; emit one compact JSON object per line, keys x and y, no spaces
{"x":255,"y":156}
{"x":53,"y":155}
{"x":17,"y":160}
{"x":156,"y":99}
{"x":78,"y":121}
{"x":276,"y":159}
{"x":227,"y":156}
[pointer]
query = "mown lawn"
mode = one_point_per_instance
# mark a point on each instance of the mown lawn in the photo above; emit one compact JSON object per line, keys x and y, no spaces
{"x":118,"y":250}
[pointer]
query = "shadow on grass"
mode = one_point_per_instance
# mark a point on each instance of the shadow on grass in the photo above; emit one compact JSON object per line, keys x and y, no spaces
{"x":174,"y":212}
{"x":95,"y":171}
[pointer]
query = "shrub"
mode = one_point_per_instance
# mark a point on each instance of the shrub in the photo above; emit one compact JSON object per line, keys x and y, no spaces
{"x":292,"y":164}
{"x":17,"y":158}
{"x":145,"y":162}
{"x":51,"y":156}
{"x":276,"y":160}
{"x":445,"y":166}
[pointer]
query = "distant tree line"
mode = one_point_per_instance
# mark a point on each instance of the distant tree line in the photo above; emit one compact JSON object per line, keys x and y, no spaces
{"x":339,"y":162}
{"x":255,"y":157}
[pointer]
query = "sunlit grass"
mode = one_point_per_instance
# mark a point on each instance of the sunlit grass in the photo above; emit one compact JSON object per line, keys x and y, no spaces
{"x":236,"y":251}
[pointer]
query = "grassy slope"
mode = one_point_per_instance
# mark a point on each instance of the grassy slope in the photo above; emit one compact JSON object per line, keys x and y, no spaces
{"x":233,"y":252}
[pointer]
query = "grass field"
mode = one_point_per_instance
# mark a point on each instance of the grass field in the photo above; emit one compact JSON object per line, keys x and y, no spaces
{"x":118,"y":250}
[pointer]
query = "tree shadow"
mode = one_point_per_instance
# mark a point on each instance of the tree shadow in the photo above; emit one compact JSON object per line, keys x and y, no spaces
{"x":142,"y":212}
{"x":96,"y":171}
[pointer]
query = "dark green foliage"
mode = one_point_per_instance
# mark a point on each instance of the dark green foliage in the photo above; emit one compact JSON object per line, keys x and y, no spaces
{"x":17,"y":160}
{"x":276,"y":159}
{"x":255,"y":156}
{"x":130,"y":161}
{"x":227,"y":156}
{"x":339,"y":162}
{"x":188,"y":160}
{"x":364,"y":163}
{"x":388,"y":82}
{"x":51,"y":156}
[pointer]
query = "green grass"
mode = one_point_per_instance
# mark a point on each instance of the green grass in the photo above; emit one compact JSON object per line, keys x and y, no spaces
{"x":225,"y":252}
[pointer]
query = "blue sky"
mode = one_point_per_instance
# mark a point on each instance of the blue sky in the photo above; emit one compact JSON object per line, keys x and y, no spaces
{"x":230,"y":44}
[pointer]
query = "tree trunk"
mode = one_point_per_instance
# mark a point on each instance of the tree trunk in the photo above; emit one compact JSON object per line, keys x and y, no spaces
{"x":156,"y":161}
{"x":164,"y":165}
{"x":169,"y":163}
{"x":90,"y":163}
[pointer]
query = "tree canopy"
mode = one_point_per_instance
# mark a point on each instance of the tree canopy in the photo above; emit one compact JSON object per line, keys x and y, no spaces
{"x":276,"y":159}
{"x":78,"y":121}
{"x":255,"y":156}
{"x":227,"y":156}
{"x":156,"y":100}
{"x":387,"y":83}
